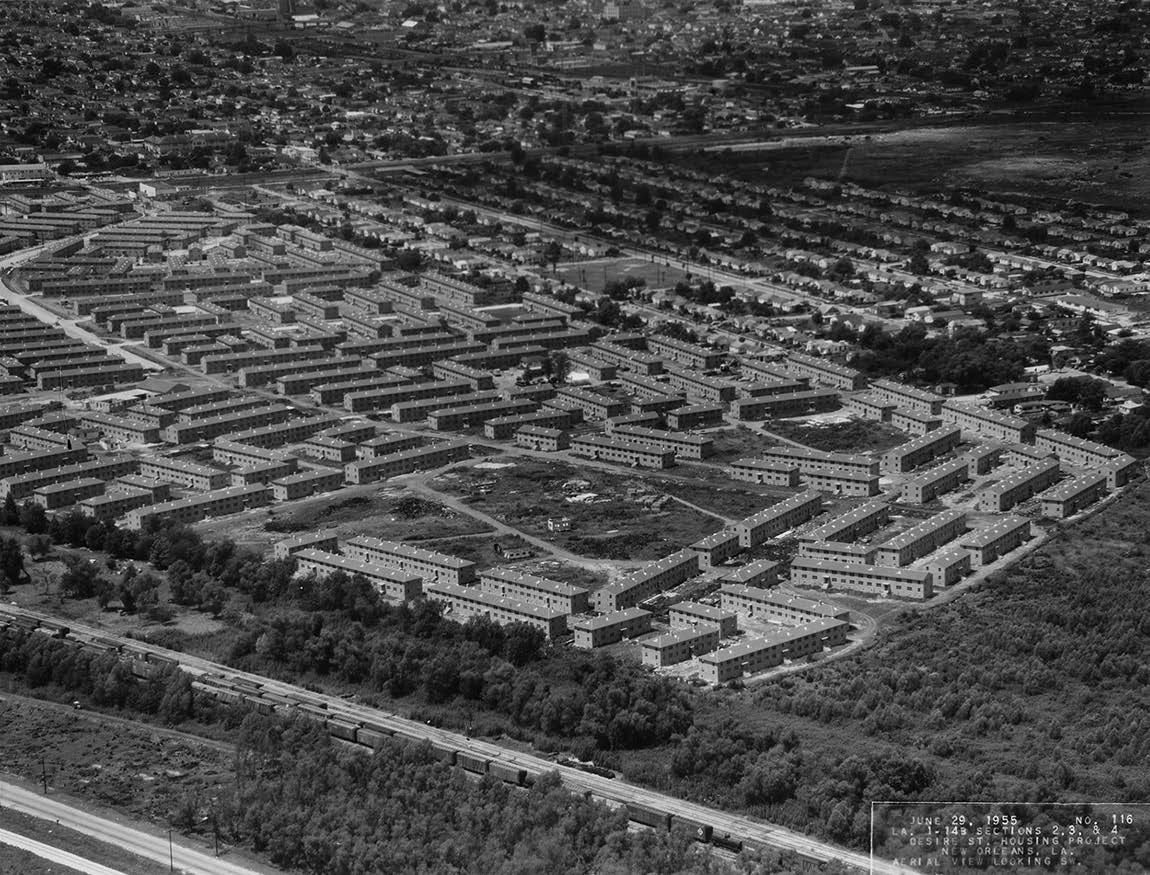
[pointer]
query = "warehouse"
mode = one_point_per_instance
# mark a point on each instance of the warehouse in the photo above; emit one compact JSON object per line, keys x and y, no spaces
{"x":1067,"y":499}
{"x":413,"y":560}
{"x":877,"y":580}
{"x":684,"y":446}
{"x":919,"y":451}
{"x":905,"y":547}
{"x":220,"y":502}
{"x":651,"y":579}
{"x":611,"y":628}
{"x":759,"y":654}
{"x":853,"y":524}
{"x":391,"y":585}
{"x":689,"y":614}
{"x":988,"y":544}
{"x":405,"y":462}
{"x":539,"y":591}
{"x":465,"y":602}
{"x":777,"y":607}
{"x":679,"y":645}
{"x":761,"y":471}
{"x":791,"y":404}
{"x":988,"y":423}
{"x":607,"y":449}
{"x":761,"y":572}
{"x":1018,"y":487}
{"x":717,"y":548}
{"x":816,"y":461}
{"x":779,"y":518}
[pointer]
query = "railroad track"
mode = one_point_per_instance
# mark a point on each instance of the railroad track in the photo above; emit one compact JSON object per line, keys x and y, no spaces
{"x":368,"y":727}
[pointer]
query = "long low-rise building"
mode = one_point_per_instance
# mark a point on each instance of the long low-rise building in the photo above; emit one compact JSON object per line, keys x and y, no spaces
{"x":683,"y":445}
{"x":762,"y":471}
{"x":840,"y":551}
{"x":825,"y":373}
{"x":651,"y":579}
{"x":779,"y":518}
{"x":303,"y":484}
{"x":848,"y":484}
{"x":405,"y":462}
{"x":876,"y":580}
{"x":428,"y":564}
{"x":777,"y":607}
{"x":504,"y":427}
{"x":220,"y":502}
{"x":907,"y":397}
{"x":679,"y":645}
{"x":988,"y":423}
{"x":539,"y":591}
{"x":1019,"y":487}
{"x":108,"y":506}
{"x":994,"y":541}
{"x":927,"y":486}
{"x":1074,"y":451}
{"x":181,"y":472}
{"x":1067,"y":499}
{"x":921,"y":450}
{"x":464,"y":602}
{"x":759,"y":654}
{"x":816,"y":461}
{"x":22,"y":486}
{"x":690,"y":614}
{"x":456,"y":418}
{"x":921,"y":540}
{"x":948,"y":567}
{"x":54,"y":496}
{"x":609,"y":449}
{"x":716,"y":548}
{"x":802,"y":403}
{"x":760,"y":572}
{"x":392,"y":585}
{"x":610,"y":628}
{"x":853,"y":524}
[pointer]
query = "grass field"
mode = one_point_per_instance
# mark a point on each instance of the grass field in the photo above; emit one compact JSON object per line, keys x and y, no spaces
{"x":737,"y":443}
{"x":594,"y":275}
{"x":851,"y":436}
{"x":613,"y":515}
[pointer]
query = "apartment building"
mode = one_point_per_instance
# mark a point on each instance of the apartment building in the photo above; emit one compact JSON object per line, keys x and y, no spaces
{"x":694,"y":416}
{"x":759,"y":654}
{"x":313,"y":558}
{"x":219,"y":502}
{"x":651,"y":579}
{"x":191,"y":475}
{"x":759,"y":573}
{"x":22,"y":486}
{"x":504,"y":427}
{"x":1019,"y":487}
{"x":815,"y":461}
{"x":1074,"y":451}
{"x":717,"y":548}
{"x":921,"y":450}
{"x":108,"y":506}
{"x":405,"y":462}
{"x":937,"y":481}
{"x":875,"y":580}
{"x":1067,"y":499}
{"x":914,"y":423}
{"x":427,"y":564}
{"x":610,"y":628}
{"x":539,"y":591}
{"x":948,"y":567}
{"x":542,"y":440}
{"x":464,"y":602}
{"x":324,"y":539}
{"x":592,"y":404}
{"x":53,"y":496}
{"x":779,"y":518}
{"x":683,"y":445}
{"x":700,"y":387}
{"x":610,"y":449}
{"x":800,"y":403}
{"x":984,"y":459}
{"x":686,"y":615}
{"x":988,"y":423}
{"x":762,"y":471}
{"x":690,"y":355}
{"x":306,"y":483}
{"x":853,"y":524}
{"x":988,"y":544}
{"x":921,"y":540}
{"x":848,"y":484}
{"x":839,"y":551}
{"x":679,"y":645}
{"x":450,"y":418}
{"x":907,"y":398}
{"x":764,"y":604}
{"x":386,"y":445}
{"x":825,"y":373}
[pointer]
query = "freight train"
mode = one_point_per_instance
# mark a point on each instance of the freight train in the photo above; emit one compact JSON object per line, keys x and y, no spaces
{"x":271,"y":697}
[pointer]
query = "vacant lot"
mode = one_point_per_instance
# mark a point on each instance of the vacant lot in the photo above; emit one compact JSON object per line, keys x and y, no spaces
{"x":382,"y":512}
{"x":738,"y":443}
{"x":849,"y":436}
{"x":611,"y":515}
{"x":596,"y":274}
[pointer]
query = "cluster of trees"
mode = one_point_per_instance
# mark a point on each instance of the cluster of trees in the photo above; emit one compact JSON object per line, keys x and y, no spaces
{"x":971,"y":359}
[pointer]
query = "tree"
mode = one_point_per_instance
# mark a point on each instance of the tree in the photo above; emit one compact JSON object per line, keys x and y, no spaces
{"x":39,"y":546}
{"x":79,"y":581}
{"x":10,"y":515}
{"x":560,"y":366}
{"x":33,"y":518}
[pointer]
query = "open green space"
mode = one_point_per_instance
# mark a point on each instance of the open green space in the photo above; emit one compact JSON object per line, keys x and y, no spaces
{"x":851,"y":436}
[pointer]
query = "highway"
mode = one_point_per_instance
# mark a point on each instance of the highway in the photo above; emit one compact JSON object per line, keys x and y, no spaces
{"x":611,"y":790}
{"x":149,"y":844}
{"x":54,"y":854}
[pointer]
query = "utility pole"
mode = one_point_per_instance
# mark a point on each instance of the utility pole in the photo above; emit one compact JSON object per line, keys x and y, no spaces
{"x":171,"y":853}
{"x":44,"y":773}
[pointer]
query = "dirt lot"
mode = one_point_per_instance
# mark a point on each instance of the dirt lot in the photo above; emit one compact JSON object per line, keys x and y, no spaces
{"x":612,"y":516}
{"x":379,"y":511}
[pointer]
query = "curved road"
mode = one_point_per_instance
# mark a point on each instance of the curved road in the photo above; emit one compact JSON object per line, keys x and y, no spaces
{"x":145,"y":844}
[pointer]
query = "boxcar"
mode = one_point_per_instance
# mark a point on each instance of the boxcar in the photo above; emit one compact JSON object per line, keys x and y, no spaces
{"x":726,"y":842}
{"x":472,"y":763}
{"x":701,"y":832}
{"x":342,"y":729}
{"x":648,"y":816}
{"x":371,"y":737}
{"x":510,"y":774}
